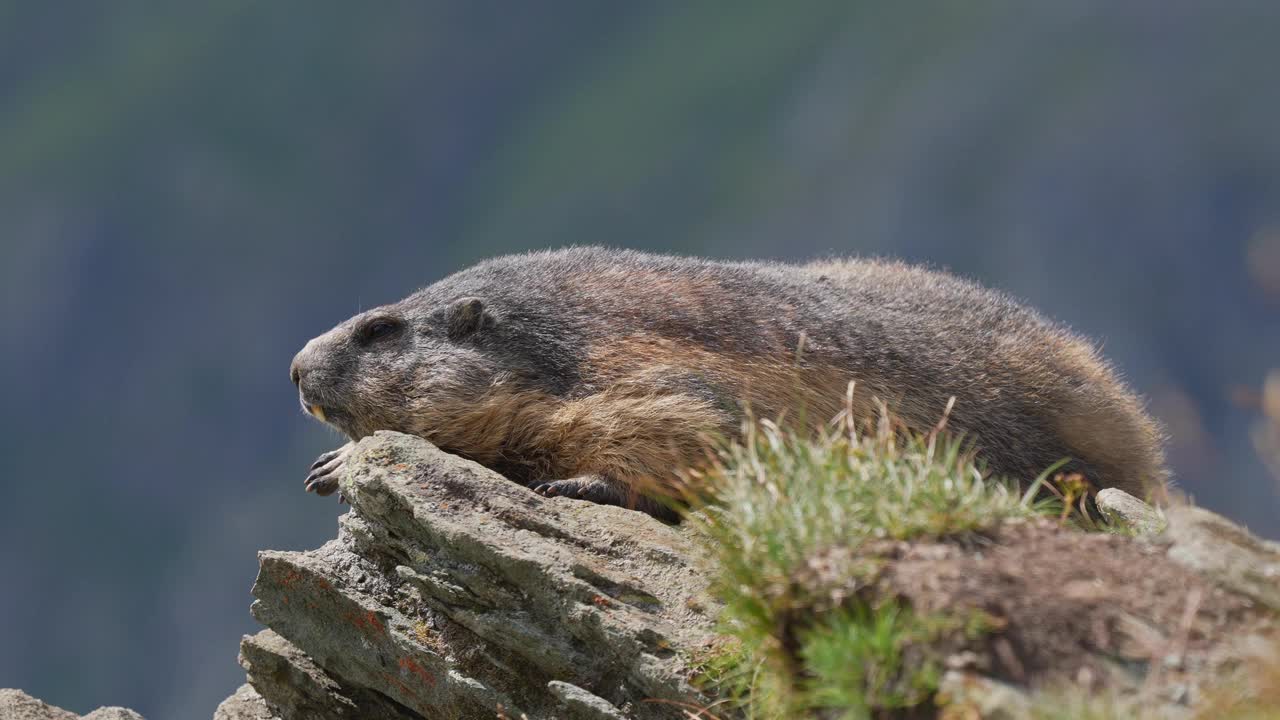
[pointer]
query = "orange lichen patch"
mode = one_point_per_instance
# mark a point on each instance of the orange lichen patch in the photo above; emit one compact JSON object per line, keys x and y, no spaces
{"x":290,"y":581}
{"x":393,"y":680}
{"x":407,"y":664}
{"x":291,"y":578}
{"x":601,"y":601}
{"x":367,"y":623}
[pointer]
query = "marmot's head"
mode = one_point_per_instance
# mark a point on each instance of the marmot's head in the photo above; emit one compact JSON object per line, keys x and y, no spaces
{"x":399,"y":366}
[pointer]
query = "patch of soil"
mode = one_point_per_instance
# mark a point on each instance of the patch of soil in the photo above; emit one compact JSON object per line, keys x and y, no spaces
{"x":1093,"y":609}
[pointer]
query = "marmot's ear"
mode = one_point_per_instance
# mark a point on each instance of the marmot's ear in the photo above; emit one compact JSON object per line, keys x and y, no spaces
{"x":466,"y":316}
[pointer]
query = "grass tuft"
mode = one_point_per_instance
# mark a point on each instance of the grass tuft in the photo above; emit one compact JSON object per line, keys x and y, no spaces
{"x":790,"y":515}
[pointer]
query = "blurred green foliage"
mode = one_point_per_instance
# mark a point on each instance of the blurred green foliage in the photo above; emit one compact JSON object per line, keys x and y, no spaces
{"x":188,"y":191}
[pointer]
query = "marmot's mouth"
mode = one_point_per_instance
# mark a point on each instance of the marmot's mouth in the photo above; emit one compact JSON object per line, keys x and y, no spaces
{"x":310,"y":408}
{"x":331,"y":415}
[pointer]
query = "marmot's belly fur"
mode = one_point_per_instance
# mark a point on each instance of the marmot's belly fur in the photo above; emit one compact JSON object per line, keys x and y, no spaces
{"x":594,"y":373}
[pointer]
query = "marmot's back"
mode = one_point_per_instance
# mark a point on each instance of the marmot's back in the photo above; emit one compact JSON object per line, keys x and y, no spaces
{"x":611,"y":365}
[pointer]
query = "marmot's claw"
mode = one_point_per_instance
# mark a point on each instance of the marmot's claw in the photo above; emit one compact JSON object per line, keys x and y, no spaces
{"x":323,"y":486}
{"x":326,"y":457}
{"x":323,"y":478}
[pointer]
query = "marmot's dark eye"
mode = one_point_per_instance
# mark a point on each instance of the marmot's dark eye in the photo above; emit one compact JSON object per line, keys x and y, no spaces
{"x":378,"y":329}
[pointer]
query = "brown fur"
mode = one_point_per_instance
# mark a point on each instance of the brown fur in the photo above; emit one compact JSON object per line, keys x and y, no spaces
{"x":597,"y":373}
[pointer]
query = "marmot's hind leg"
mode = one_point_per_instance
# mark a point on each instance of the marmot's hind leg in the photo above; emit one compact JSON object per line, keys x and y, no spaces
{"x":601,"y":490}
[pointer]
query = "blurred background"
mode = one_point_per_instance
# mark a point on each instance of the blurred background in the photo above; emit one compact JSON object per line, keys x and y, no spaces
{"x":189,"y":191}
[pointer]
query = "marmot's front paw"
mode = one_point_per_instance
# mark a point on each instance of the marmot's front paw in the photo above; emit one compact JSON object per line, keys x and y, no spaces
{"x":600,"y":490}
{"x":323,"y":479}
{"x":589,"y":488}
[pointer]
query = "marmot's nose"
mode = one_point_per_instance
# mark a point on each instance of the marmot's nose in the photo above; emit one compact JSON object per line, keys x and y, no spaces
{"x":297,"y":368}
{"x":310,"y":357}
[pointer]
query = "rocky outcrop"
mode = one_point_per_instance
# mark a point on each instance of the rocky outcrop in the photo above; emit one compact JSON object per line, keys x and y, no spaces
{"x":1217,"y":548}
{"x":17,"y":705}
{"x":451,"y":592}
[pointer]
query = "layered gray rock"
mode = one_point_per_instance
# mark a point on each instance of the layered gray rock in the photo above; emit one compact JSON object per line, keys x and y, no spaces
{"x":244,"y":704}
{"x":453,"y":592}
{"x":1213,"y":546}
{"x":17,"y":705}
{"x":1125,"y":511}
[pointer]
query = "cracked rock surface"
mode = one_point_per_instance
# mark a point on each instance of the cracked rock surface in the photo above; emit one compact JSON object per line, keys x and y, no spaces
{"x":451,"y":592}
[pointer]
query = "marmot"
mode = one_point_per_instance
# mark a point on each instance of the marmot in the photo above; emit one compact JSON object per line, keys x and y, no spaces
{"x":592,"y":373}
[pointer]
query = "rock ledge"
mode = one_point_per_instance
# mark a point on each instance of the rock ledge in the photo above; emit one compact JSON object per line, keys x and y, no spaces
{"x":453,"y":592}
